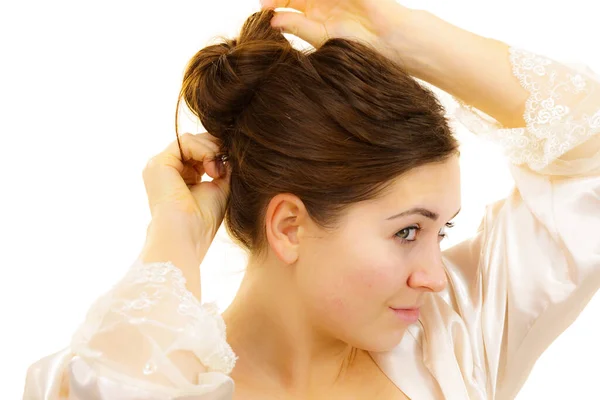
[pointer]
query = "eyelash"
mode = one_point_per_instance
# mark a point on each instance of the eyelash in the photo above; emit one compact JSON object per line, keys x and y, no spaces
{"x":417,"y":229}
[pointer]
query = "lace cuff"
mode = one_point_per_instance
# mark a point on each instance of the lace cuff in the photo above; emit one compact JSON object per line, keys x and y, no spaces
{"x":145,"y":321}
{"x":561,"y":111}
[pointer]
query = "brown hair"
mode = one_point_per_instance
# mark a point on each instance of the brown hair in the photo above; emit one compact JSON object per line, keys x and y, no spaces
{"x":332,"y":126}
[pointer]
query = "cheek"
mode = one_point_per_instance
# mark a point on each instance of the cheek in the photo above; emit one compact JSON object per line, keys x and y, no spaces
{"x":356,"y":308}
{"x":351,"y":281}
{"x":361,"y":286}
{"x":374,"y":279}
{"x":348,"y":284}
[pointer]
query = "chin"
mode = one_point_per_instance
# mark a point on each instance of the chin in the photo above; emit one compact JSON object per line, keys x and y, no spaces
{"x":383,"y":342}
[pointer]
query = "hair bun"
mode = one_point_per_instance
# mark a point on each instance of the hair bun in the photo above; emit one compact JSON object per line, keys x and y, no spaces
{"x":220,"y":80}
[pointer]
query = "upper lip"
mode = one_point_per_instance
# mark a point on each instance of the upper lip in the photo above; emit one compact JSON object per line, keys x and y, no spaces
{"x":405,"y":308}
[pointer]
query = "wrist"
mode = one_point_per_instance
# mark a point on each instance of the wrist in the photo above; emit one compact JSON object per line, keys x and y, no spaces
{"x":172,"y":235}
{"x":412,"y":40}
{"x":175,"y":239}
{"x":428,"y":47}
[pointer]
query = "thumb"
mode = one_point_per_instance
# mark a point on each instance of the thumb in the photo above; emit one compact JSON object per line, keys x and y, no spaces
{"x":299,"y":25}
{"x":212,"y":198}
{"x":220,"y":172}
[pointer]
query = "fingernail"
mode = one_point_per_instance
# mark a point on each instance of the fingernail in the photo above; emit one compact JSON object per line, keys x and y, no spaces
{"x":223,"y":170}
{"x":222,"y":165}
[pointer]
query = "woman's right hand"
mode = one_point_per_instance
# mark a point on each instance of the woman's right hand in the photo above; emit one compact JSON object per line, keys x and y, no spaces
{"x":376,"y":22}
{"x":186,"y":211}
{"x":177,"y":195}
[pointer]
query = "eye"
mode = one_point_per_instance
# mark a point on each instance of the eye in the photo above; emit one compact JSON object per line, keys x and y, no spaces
{"x":408,"y":234}
{"x":443,"y":233}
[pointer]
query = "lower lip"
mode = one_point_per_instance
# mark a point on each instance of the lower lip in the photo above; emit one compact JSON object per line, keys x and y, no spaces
{"x":410,"y":315}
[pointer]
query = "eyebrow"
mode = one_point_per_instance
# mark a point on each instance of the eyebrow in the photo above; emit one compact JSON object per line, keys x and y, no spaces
{"x":421,"y":211}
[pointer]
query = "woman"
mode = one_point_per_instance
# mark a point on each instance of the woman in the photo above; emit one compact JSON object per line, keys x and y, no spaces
{"x":339,"y":173}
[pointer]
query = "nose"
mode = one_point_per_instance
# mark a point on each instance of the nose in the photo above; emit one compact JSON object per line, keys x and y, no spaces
{"x":430,"y":274}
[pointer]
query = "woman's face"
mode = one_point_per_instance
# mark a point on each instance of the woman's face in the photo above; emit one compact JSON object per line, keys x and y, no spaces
{"x":384,"y":255}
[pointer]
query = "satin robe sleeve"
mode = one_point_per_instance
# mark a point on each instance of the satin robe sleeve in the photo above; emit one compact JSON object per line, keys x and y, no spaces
{"x":148,"y":338}
{"x":535,"y":261}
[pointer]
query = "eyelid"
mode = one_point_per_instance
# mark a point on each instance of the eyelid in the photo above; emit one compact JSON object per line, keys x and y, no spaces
{"x":443,"y":234}
{"x":418,"y":229}
{"x":415,"y":227}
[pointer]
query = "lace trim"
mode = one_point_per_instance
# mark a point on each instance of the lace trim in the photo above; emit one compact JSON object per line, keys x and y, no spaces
{"x":197,"y":327}
{"x":553,"y":128}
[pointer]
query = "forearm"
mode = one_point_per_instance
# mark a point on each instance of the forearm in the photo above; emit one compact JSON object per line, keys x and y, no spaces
{"x":470,"y":67}
{"x":168,"y":239}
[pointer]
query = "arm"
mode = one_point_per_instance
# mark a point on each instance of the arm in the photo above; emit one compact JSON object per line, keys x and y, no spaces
{"x":167,"y":240}
{"x":500,"y":81}
{"x":470,"y":67}
{"x":534,"y":263}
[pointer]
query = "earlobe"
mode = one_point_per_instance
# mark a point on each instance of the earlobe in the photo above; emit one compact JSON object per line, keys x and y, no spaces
{"x":284,"y":217}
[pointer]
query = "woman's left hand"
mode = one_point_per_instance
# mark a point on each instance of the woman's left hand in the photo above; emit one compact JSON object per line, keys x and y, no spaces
{"x":375,"y":22}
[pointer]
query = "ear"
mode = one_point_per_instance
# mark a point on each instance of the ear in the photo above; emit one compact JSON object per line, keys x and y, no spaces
{"x":285,"y":218}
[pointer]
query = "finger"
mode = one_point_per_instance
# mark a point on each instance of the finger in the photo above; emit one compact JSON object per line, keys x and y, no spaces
{"x":299,"y":5}
{"x":189,"y":143}
{"x":299,"y":25}
{"x":211,"y":165}
{"x":192,"y":173}
{"x":208,"y":140}
{"x":214,"y":168}
{"x":193,"y":147}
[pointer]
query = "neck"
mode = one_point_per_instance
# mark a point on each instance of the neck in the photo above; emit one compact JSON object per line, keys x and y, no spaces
{"x":272,"y":334}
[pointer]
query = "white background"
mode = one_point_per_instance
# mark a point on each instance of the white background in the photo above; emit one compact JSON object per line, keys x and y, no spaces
{"x":87,"y":96}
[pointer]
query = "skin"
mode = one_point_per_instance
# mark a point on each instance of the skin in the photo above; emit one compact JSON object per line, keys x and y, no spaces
{"x":334,"y":288}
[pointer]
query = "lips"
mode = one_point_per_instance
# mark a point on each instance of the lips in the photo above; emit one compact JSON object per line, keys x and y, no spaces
{"x":409,"y":315}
